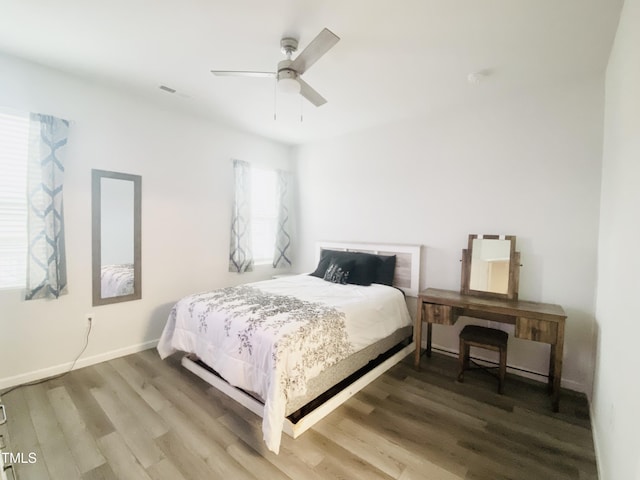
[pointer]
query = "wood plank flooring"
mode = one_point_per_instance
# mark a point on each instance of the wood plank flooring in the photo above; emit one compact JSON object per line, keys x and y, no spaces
{"x":139,"y":417}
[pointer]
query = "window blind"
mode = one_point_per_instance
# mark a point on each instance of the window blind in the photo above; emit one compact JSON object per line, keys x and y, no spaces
{"x":14,"y":139}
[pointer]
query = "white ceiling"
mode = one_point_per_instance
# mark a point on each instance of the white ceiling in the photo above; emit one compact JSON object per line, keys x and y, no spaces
{"x":395,"y":59}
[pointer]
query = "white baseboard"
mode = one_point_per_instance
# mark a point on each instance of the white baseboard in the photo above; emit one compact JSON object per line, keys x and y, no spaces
{"x":518,"y":370}
{"x":82,"y":362}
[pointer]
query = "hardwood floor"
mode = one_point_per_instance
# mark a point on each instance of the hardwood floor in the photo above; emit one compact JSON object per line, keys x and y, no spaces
{"x":138,"y":417}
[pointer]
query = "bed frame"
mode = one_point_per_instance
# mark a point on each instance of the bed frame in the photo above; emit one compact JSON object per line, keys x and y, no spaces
{"x":407,"y":275}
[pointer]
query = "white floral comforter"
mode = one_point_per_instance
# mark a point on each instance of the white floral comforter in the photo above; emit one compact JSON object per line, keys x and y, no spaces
{"x":116,"y":280}
{"x":272,"y":337}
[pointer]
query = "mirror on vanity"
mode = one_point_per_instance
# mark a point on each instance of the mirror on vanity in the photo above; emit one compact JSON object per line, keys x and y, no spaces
{"x":491,"y":267}
{"x":115,"y":212}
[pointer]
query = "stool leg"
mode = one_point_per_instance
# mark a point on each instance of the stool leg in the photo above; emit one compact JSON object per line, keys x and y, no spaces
{"x":467,"y":356}
{"x":461,"y":360}
{"x":503,"y":369}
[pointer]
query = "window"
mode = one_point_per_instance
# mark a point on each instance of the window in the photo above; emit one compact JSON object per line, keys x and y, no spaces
{"x":260,"y":218}
{"x":264,"y":214}
{"x":14,"y":139}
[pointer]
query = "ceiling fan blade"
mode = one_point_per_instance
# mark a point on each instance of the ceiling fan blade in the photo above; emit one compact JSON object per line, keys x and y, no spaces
{"x":310,"y":94}
{"x":316,"y":49}
{"x":231,"y":73}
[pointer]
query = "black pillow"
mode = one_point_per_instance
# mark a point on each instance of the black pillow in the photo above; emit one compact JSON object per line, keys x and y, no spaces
{"x":339,"y":270}
{"x":386,"y":269}
{"x":323,"y":264}
{"x":363,"y":272}
{"x":368,"y":268}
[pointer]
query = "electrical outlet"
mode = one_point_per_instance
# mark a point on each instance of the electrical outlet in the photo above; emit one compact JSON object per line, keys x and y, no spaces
{"x":90,"y":317}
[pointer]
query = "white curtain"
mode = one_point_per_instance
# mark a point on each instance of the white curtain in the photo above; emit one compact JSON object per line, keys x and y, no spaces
{"x":46,"y":264}
{"x":283,"y":227}
{"x":240,"y":255}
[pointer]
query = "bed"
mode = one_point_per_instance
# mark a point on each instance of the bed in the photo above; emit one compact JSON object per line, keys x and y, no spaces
{"x":116,"y":280}
{"x":278,"y":346}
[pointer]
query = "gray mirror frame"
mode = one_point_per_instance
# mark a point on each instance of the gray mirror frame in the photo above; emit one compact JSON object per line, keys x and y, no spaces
{"x":514,"y":269}
{"x":96,"y":236}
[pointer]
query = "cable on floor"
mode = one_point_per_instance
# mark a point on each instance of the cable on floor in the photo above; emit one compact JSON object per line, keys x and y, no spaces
{"x":60,"y":375}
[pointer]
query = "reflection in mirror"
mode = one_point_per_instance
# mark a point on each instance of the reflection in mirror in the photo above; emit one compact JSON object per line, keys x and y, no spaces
{"x":490,"y":265}
{"x":116,"y":237}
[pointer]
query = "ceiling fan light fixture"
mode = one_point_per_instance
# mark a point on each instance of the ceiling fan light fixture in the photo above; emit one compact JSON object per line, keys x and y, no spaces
{"x":289,"y":85}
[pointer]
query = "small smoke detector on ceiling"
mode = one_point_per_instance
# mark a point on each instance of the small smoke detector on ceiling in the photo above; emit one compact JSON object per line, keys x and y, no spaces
{"x":475,"y":78}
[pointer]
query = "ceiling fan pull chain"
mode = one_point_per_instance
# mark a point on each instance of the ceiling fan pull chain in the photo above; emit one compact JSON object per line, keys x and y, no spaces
{"x":301,"y":110}
{"x":275,"y":99}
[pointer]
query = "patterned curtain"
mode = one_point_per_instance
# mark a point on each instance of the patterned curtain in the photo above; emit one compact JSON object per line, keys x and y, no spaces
{"x":240,"y":256}
{"x":283,"y":228}
{"x":46,"y":264}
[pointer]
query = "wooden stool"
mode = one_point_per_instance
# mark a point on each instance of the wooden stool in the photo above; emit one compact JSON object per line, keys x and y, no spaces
{"x":487,"y":338}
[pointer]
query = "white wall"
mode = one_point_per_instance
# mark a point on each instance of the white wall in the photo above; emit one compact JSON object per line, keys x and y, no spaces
{"x":527,"y":166}
{"x":186,"y":204}
{"x":616,"y":394}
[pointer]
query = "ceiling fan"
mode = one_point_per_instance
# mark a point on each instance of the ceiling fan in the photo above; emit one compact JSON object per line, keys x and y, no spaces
{"x":288,"y":73}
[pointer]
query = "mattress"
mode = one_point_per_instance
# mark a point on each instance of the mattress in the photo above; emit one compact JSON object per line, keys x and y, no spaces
{"x":343,"y":369}
{"x":277,"y":338}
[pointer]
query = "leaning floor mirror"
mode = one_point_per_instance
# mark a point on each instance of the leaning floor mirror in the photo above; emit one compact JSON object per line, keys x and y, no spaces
{"x":115,"y":206}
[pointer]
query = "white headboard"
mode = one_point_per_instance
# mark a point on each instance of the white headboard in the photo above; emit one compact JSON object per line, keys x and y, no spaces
{"x":407,"y":273}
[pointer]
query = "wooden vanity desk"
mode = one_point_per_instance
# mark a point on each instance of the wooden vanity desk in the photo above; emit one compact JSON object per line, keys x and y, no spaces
{"x":540,"y":322}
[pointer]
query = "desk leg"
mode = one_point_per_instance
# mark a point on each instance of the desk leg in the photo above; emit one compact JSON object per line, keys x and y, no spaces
{"x":555,"y":368}
{"x":429,"y":331}
{"x":552,"y":369}
{"x":417,"y":336}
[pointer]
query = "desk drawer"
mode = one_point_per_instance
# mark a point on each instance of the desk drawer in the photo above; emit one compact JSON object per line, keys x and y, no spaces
{"x":438,"y":314}
{"x":537,"y":330}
